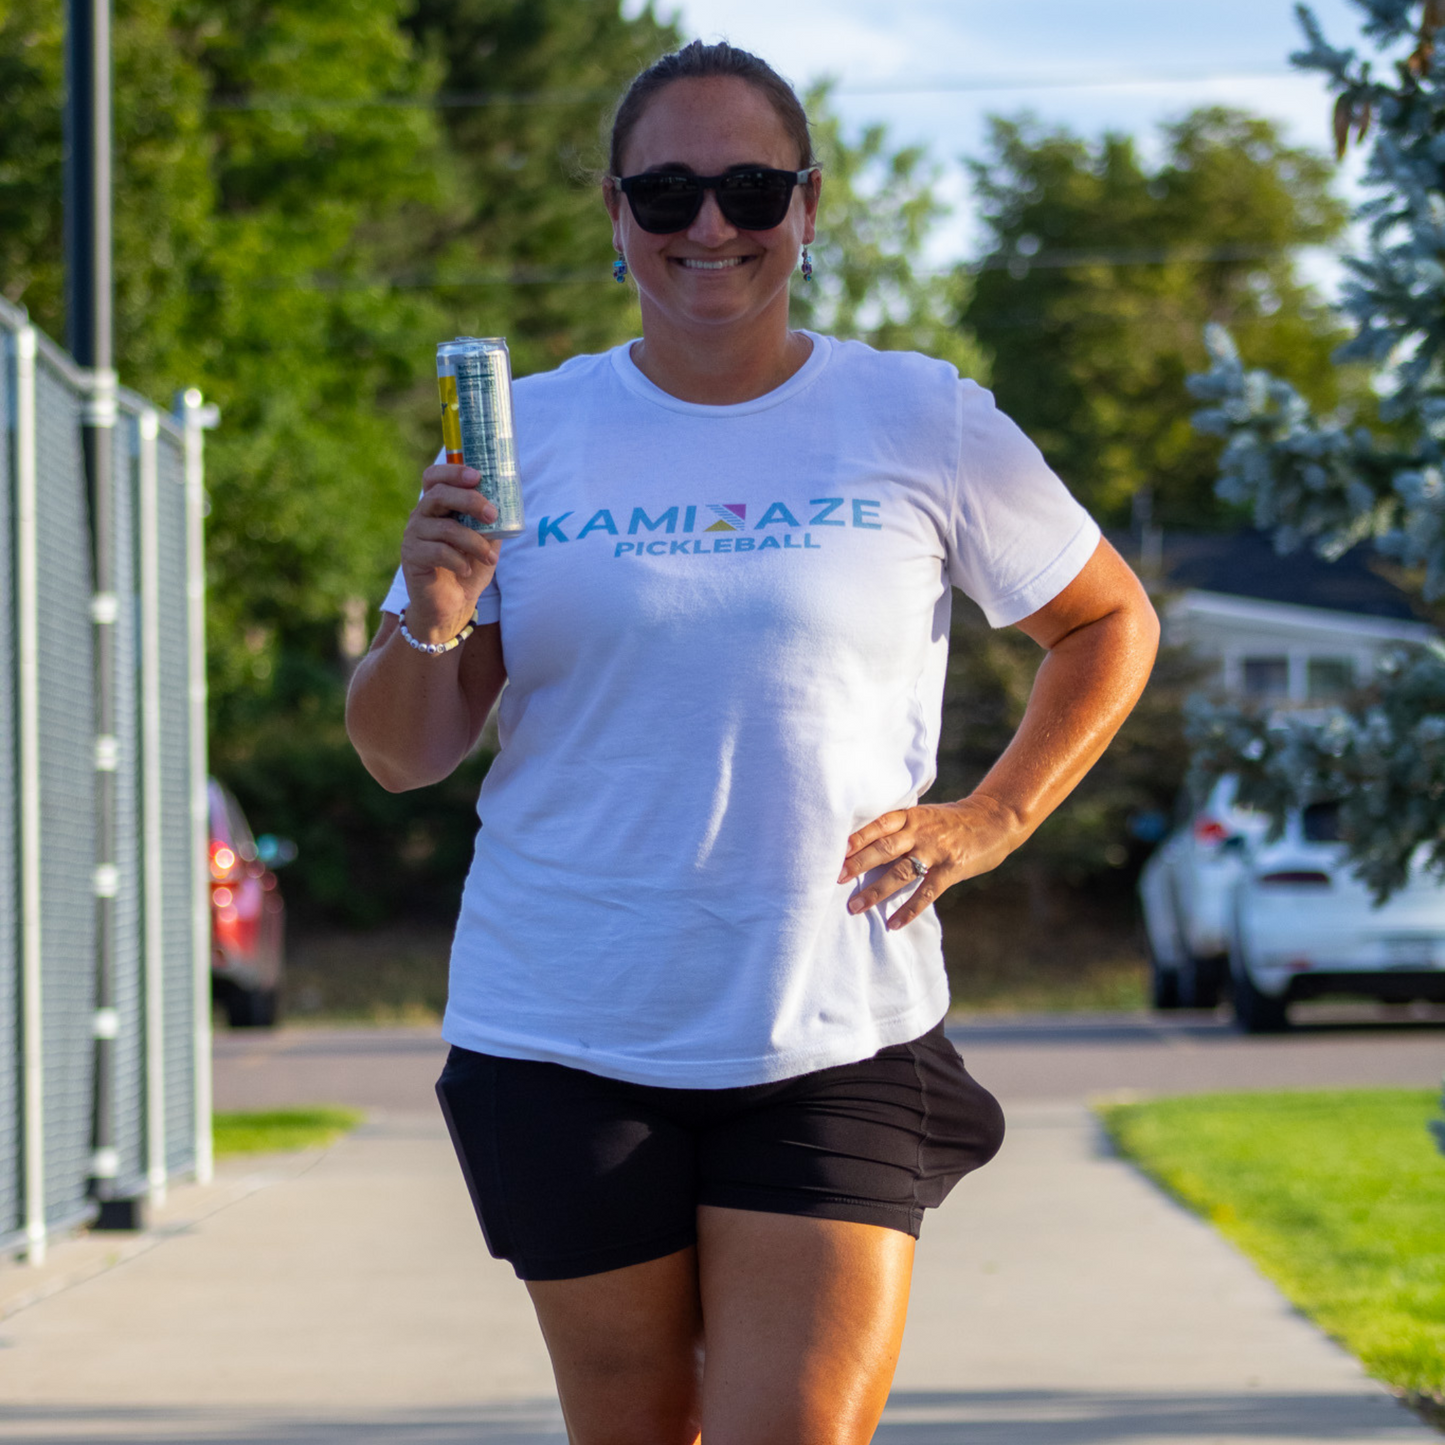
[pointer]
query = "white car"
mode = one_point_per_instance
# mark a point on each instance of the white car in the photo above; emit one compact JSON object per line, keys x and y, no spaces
{"x":1302,"y":925}
{"x":1282,"y":920}
{"x":1186,"y":894}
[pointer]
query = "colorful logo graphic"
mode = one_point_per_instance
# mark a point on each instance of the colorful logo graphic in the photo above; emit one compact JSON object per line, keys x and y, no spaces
{"x":729,"y":516}
{"x":777,"y":526}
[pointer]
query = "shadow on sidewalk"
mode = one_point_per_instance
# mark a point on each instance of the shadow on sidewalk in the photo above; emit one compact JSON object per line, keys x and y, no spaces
{"x":1083,"y":1417}
{"x":529,"y":1422}
{"x":975,"y":1417}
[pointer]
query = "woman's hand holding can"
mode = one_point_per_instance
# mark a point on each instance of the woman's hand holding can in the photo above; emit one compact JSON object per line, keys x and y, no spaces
{"x":447,"y":565}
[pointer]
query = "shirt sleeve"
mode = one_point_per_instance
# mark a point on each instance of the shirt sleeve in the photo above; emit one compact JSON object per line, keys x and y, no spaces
{"x":489,"y":604}
{"x":1017,"y":536}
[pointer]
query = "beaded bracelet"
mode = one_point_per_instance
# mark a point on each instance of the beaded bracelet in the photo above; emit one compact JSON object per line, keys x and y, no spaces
{"x":435,"y":649}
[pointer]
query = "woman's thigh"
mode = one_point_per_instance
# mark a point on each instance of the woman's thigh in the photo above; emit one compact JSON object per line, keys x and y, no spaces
{"x":776,"y":1330}
{"x":803,"y":1320}
{"x":626,"y":1348}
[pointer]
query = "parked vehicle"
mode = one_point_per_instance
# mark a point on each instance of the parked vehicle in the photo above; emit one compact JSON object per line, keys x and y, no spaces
{"x":1186,"y":894}
{"x":1302,"y":925}
{"x":248,"y":916}
{"x":1283,"y":920}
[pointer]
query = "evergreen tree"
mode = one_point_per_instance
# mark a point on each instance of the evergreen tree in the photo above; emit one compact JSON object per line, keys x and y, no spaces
{"x":1102,"y":270}
{"x":1329,"y":482}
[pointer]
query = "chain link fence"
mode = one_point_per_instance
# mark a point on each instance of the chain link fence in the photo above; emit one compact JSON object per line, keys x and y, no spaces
{"x":151,"y":1041}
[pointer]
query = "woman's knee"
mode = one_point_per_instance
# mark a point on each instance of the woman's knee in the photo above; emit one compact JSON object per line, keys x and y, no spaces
{"x":616,"y":1396}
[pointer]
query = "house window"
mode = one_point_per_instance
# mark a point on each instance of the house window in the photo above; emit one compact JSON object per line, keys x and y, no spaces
{"x":1266,"y":677}
{"x":1328,"y":679}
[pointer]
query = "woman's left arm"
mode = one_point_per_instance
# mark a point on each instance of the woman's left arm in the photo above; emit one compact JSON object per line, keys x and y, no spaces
{"x":1100,"y":635}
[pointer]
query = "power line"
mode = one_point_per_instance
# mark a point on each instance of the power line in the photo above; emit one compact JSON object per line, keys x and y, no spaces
{"x":1019,"y":264}
{"x":442,"y":100}
{"x":1117,"y":81}
{"x":939,"y":85}
{"x":417,"y":281}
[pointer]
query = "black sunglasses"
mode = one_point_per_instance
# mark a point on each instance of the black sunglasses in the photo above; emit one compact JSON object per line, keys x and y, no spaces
{"x":752,"y":198}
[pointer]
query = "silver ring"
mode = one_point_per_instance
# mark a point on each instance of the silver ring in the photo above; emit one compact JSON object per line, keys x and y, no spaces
{"x":920,"y":868}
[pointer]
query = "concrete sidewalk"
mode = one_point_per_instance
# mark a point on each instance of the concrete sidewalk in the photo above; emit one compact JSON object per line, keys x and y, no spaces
{"x":347,"y":1297}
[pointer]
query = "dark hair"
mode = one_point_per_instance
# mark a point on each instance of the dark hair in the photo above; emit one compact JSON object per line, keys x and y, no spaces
{"x":703,"y":62}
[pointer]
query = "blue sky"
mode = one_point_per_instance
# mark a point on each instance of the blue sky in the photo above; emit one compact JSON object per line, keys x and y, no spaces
{"x":1092,"y":64}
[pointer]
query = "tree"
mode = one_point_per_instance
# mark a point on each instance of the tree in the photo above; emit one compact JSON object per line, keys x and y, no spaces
{"x":309,"y":195}
{"x":1102,"y":270}
{"x":31,"y":77}
{"x":305,"y":341}
{"x":527,"y":89}
{"x":254,"y":164}
{"x":162,"y":185}
{"x":1327,"y":481}
{"x":877,"y":209}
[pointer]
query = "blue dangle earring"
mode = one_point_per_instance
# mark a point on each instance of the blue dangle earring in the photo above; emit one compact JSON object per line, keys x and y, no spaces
{"x":619,"y":268}
{"x":807,"y":265}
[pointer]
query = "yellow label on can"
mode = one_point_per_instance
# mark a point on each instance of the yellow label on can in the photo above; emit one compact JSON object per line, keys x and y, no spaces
{"x":451,"y":419}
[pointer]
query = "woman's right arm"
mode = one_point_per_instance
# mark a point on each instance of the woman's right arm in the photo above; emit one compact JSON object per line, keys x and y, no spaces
{"x":413,"y":716}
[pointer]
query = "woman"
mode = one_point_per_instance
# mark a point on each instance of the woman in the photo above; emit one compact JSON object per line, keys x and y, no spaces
{"x":698,"y":1084}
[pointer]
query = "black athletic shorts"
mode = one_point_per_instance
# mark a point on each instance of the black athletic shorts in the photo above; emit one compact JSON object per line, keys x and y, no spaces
{"x":573,"y":1174}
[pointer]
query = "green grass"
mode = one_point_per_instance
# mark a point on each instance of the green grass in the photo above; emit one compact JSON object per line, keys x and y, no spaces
{"x":281,"y":1129}
{"x":1337,"y":1196}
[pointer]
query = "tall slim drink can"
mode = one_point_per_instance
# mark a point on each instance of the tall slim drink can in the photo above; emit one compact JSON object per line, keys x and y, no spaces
{"x":474,"y":376}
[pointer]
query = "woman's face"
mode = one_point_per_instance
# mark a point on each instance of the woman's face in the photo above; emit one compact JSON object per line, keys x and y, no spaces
{"x":712,"y":273}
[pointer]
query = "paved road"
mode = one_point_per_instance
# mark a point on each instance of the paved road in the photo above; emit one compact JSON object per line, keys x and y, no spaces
{"x":1034,"y":1058}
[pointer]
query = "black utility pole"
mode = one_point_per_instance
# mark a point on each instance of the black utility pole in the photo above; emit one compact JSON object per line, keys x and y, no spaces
{"x":88,"y":326}
{"x":87,"y":183}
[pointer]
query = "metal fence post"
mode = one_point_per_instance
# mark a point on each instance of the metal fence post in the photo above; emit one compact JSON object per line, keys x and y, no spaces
{"x":198,"y":418}
{"x":152,"y":821}
{"x":28,"y":688}
{"x":98,"y":416}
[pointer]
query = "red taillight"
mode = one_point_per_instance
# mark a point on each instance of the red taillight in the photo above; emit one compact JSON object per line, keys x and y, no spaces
{"x":1209,"y":830}
{"x":222,"y":897}
{"x":223,"y":861}
{"x":1295,"y":878}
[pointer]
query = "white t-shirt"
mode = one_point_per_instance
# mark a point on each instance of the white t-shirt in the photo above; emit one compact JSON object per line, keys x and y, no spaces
{"x":725,"y":632}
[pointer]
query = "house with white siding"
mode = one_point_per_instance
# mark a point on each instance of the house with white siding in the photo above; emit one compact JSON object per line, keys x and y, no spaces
{"x":1292,"y":630}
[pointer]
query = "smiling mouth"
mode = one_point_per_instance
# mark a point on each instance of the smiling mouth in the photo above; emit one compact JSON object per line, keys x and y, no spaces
{"x":694,"y":263}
